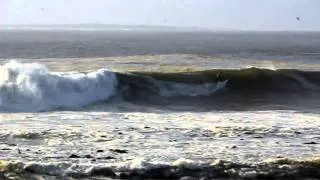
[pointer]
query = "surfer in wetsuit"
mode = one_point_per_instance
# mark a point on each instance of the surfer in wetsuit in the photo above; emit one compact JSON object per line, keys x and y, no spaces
{"x":219,"y":76}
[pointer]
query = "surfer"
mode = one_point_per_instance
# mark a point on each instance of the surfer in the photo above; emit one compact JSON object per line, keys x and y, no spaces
{"x":219,"y":76}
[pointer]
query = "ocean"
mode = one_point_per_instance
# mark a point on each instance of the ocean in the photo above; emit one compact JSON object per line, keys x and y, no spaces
{"x":148,"y":104}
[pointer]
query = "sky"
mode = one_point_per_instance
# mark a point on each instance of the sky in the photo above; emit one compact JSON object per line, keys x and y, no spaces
{"x":213,"y":14}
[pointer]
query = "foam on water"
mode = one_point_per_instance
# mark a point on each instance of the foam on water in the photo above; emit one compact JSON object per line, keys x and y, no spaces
{"x":157,"y":143}
{"x":169,"y":89}
{"x":31,"y":87}
{"x":275,"y":169}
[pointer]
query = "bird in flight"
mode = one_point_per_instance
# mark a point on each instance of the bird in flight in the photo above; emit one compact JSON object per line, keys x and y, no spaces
{"x":298,"y":18}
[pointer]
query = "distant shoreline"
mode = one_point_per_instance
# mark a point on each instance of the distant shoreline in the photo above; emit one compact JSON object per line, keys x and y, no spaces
{"x":115,"y":27}
{"x":99,"y":27}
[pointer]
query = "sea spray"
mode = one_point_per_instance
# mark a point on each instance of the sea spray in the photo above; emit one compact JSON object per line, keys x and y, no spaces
{"x":32,"y":87}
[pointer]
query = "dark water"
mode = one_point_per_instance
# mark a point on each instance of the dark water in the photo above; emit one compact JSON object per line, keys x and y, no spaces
{"x":246,"y":89}
{"x":63,"y":44}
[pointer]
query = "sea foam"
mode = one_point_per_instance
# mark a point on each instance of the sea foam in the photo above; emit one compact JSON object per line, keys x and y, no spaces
{"x":32,"y":87}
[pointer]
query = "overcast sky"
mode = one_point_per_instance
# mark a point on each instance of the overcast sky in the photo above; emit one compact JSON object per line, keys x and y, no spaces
{"x":215,"y":14}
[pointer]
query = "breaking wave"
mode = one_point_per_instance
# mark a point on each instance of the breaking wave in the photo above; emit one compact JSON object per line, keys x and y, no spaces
{"x":179,"y":169}
{"x":31,"y":87}
{"x":250,"y":79}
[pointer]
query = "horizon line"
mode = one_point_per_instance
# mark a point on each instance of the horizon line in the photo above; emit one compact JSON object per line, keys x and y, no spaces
{"x":102,"y":26}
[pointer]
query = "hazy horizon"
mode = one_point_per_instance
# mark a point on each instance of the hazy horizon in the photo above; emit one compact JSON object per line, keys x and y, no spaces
{"x":137,"y":27}
{"x":249,"y":15}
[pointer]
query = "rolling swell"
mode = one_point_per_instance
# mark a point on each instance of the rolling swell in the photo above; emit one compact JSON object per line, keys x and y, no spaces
{"x":251,"y":79}
{"x":226,"y":88}
{"x":32,"y":87}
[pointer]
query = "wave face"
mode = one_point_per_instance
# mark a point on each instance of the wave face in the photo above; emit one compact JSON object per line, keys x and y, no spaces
{"x":178,"y":89}
{"x":224,"y":89}
{"x":31,"y":87}
{"x":251,"y":79}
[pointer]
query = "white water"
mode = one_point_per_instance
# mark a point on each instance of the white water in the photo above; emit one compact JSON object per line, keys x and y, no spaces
{"x":46,"y":140}
{"x":31,"y":87}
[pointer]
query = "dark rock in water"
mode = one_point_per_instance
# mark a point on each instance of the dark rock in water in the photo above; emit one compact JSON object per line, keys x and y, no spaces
{"x":88,"y":156}
{"x":248,"y":133}
{"x":257,"y":137}
{"x":33,"y":168}
{"x":28,"y":150}
{"x":153,"y":173}
{"x":120,"y":133}
{"x":104,"y":171}
{"x":206,"y":135}
{"x":124,"y":175}
{"x":312,"y":142}
{"x":130,"y":175}
{"x":2,"y":176}
{"x":106,"y":158}
{"x":234,"y":147}
{"x":146,"y":127}
{"x":100,"y":151}
{"x":109,"y":157}
{"x":29,"y":170}
{"x":5,"y":149}
{"x":74,"y":156}
{"x":297,"y":132}
{"x":77,"y":175}
{"x":103,"y":136}
{"x":159,"y":173}
{"x":119,"y":150}
{"x":306,"y":171}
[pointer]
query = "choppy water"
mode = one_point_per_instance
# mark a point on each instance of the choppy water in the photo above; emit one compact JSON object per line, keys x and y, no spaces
{"x":218,"y":105}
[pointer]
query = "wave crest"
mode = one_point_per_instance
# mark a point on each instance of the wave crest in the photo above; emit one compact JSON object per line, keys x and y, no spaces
{"x":31,"y":87}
